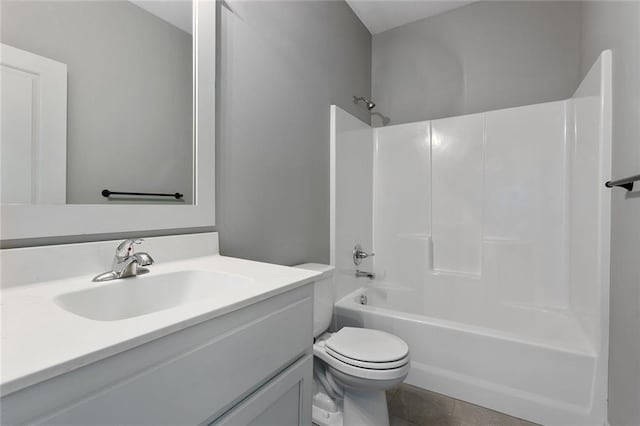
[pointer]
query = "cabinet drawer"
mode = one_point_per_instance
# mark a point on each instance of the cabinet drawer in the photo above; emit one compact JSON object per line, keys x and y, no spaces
{"x":283,"y":401}
{"x":202,"y":383}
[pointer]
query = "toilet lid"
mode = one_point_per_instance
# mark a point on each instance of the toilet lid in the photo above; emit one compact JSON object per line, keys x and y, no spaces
{"x":364,"y":344}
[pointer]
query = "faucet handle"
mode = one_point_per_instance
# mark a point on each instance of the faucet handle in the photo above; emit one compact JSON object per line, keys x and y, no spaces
{"x":125,"y":248}
{"x":359,"y":254}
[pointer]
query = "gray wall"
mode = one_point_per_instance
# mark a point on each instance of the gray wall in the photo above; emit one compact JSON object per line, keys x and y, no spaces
{"x":129,"y":92}
{"x":480,"y":57}
{"x":616,"y":26}
{"x":281,"y":64}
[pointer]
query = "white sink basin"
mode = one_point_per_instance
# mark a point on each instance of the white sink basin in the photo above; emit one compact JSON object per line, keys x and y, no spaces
{"x":136,"y":296}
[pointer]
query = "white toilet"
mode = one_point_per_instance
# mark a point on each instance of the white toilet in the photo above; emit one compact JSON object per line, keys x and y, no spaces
{"x":353,"y":366}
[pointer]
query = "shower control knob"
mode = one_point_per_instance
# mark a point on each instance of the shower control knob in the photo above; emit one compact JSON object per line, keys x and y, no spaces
{"x":359,"y":254}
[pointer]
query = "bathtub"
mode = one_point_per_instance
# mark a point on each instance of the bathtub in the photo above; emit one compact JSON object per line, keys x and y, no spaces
{"x":530,"y":363}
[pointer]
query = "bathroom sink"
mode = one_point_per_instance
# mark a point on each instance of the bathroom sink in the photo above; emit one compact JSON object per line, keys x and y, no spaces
{"x":136,"y":296}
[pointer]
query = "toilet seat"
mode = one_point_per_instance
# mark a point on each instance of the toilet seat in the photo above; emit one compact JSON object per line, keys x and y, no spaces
{"x":368,"y":348}
{"x":364,"y":353}
{"x":320,"y":352}
{"x":367,"y":364}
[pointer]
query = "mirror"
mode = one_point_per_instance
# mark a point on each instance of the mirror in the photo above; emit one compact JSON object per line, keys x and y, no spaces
{"x":97,"y":95}
{"x":138,"y":166}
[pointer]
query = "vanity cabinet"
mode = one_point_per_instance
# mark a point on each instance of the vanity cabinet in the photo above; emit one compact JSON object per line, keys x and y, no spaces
{"x":252,"y":365}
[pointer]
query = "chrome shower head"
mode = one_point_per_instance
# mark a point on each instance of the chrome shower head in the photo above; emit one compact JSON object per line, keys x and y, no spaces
{"x":370,"y":105}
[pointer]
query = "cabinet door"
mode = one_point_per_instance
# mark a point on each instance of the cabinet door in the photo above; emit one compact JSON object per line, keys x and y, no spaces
{"x":283,"y":401}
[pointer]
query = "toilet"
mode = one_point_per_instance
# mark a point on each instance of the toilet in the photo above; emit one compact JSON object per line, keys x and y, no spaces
{"x":353,"y":367}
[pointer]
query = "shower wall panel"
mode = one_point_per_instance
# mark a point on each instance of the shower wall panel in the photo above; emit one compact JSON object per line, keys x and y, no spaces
{"x":475,"y":205}
{"x":351,"y":152}
{"x":457,"y":147}
{"x":525,"y":203}
{"x":402,"y":211}
{"x":589,"y":200}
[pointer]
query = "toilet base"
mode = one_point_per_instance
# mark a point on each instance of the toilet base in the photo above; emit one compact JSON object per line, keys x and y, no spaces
{"x":354,"y":409}
{"x":322,"y":417}
{"x":366,"y":408}
{"x":325,"y":411}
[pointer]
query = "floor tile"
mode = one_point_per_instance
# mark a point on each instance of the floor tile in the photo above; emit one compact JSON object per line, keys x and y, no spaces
{"x":391,"y":393}
{"x":398,"y":421}
{"x":444,"y":421}
{"x":420,"y":406}
{"x":413,"y":406}
{"x":480,"y":416}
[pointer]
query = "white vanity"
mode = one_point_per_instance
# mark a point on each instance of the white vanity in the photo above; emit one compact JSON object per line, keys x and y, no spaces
{"x":201,"y":339}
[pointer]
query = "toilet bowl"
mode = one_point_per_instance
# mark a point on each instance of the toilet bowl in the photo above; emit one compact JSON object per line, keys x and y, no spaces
{"x":357,"y":366}
{"x":353,"y":367}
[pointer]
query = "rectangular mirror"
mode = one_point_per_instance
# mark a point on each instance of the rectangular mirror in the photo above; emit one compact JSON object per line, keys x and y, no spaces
{"x":102,"y":106}
{"x":97,"y":100}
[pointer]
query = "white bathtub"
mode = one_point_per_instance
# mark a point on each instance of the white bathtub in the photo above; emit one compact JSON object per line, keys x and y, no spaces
{"x":530,"y":363}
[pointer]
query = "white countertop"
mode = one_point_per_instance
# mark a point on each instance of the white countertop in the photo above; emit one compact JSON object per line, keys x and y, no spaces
{"x":41,"y":340}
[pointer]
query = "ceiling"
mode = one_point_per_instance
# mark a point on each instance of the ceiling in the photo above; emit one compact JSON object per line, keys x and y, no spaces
{"x":382,"y":15}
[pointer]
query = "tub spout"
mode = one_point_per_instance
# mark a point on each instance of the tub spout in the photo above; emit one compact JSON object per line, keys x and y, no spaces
{"x":366,"y":274}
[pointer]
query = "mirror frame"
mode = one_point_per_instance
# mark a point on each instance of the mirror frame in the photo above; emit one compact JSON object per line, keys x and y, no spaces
{"x":22,"y":221}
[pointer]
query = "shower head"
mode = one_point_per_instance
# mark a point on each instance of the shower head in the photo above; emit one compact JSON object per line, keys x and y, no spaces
{"x":370,"y":105}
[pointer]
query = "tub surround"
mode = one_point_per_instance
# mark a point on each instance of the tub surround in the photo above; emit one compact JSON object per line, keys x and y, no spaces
{"x":491,"y":234}
{"x":42,"y":340}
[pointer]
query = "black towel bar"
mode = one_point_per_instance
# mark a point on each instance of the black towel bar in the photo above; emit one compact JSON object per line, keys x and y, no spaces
{"x":626,"y":183}
{"x":106,"y":193}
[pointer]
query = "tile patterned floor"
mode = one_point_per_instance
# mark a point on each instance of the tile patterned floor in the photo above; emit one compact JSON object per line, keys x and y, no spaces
{"x":412,"y":406}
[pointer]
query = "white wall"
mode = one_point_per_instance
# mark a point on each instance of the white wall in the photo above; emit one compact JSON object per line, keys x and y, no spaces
{"x":616,"y":25}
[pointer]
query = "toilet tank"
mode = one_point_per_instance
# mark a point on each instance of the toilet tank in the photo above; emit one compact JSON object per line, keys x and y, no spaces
{"x":322,"y":296}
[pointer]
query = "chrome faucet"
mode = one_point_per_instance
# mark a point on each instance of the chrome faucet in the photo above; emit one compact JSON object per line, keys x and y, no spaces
{"x":359,"y":254}
{"x":126,"y":263}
